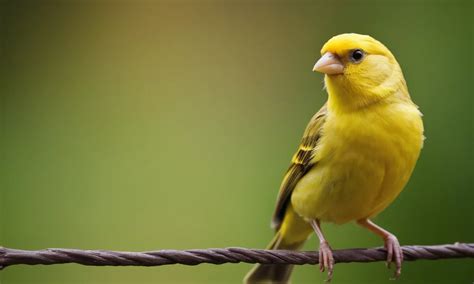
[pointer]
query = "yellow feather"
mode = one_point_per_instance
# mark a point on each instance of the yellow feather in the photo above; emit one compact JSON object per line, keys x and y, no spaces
{"x":364,"y":160}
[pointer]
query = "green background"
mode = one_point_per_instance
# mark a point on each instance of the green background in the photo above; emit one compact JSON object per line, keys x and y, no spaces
{"x":154,"y":125}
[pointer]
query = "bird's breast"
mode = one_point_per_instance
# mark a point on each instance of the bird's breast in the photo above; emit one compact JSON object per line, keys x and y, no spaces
{"x":363,"y":161}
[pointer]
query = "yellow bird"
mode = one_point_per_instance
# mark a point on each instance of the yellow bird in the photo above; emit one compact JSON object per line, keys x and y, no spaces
{"x":357,"y":153}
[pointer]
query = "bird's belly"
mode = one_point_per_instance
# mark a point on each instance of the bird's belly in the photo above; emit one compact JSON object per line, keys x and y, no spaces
{"x":358,"y":176}
{"x":339,"y":192}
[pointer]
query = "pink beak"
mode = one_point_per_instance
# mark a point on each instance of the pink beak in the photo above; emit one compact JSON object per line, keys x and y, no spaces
{"x":329,"y":64}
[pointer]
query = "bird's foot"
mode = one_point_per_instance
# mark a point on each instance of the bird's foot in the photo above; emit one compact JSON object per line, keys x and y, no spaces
{"x":394,"y":254}
{"x":326,"y":259}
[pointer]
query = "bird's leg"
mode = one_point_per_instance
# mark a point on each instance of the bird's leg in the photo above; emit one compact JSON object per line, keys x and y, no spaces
{"x":326,"y":260}
{"x":394,"y":251}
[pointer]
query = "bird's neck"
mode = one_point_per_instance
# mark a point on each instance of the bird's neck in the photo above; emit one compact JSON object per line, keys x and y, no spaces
{"x":345,"y":96}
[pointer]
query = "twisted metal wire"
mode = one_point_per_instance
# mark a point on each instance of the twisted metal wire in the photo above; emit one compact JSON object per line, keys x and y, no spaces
{"x":9,"y":257}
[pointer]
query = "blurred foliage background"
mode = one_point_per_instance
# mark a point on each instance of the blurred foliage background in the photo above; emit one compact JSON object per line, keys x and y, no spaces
{"x":147,"y":125}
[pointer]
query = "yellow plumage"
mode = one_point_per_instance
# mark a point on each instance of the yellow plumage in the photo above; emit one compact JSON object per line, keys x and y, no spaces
{"x":357,"y":152}
{"x":363,"y":161}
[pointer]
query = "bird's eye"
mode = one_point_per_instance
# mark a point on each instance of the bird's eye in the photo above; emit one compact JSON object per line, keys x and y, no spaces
{"x":357,"y":55}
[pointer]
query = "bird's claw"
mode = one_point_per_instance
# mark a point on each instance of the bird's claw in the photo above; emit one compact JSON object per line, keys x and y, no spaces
{"x":326,"y":259}
{"x":394,"y":254}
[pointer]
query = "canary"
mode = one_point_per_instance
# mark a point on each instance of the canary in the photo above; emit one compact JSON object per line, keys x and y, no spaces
{"x":356,"y":155}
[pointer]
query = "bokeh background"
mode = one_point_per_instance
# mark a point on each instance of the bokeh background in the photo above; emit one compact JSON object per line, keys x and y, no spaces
{"x":148,"y":125}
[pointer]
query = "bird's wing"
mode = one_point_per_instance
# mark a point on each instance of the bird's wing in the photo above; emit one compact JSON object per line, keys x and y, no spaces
{"x":300,"y":165}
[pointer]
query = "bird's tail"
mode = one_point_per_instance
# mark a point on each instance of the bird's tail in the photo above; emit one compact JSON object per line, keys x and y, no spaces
{"x":291,"y":235}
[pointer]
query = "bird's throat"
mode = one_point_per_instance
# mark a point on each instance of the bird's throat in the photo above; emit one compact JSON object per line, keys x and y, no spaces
{"x":347,"y":96}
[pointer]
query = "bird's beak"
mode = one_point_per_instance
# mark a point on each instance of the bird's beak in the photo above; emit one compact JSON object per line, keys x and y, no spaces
{"x":329,"y":64}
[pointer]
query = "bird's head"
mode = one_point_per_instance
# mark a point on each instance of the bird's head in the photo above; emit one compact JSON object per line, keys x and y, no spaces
{"x":359,"y":71}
